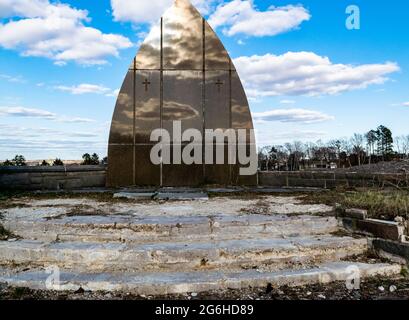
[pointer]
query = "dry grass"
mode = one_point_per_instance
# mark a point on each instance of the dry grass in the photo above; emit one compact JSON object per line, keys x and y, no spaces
{"x":381,"y":204}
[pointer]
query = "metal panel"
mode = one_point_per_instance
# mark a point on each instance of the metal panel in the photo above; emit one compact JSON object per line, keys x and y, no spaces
{"x":147,"y":104}
{"x":181,"y":175}
{"x":120,"y":165}
{"x":182,"y":99}
{"x":239,"y":179}
{"x":217,"y":105}
{"x":149,"y":53}
{"x":146,"y":173}
{"x":216,"y":57}
{"x":218,"y":174}
{"x":182,"y":37}
{"x":123,"y":118}
{"x":241,"y":116}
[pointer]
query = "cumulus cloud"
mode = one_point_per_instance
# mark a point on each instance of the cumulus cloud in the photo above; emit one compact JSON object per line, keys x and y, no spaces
{"x":292,"y":115}
{"x":86,"y":88}
{"x":23,"y":112}
{"x":149,"y":11}
{"x":56,"y":31}
{"x":306,"y":73}
{"x":406,"y":104}
{"x":241,"y":17}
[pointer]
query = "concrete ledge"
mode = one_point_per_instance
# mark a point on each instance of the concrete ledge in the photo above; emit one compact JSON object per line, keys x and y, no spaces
{"x":330,"y":179}
{"x":386,"y":248}
{"x":377,"y":228}
{"x":51,"y":169}
{"x":358,"y":214}
{"x":52,"y":178}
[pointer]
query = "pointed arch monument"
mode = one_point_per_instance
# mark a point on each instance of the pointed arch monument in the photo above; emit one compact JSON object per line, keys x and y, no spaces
{"x":182,"y":72}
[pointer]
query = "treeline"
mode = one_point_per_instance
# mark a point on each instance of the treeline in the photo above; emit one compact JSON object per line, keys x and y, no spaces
{"x":87,"y":159}
{"x":374,"y":146}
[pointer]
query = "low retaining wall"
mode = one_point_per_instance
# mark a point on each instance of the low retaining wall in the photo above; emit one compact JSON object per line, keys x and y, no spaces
{"x":78,"y":177}
{"x":330,"y":180}
{"x":52,"y":178}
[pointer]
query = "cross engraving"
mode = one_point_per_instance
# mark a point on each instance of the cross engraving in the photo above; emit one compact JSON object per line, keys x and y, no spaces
{"x":146,"y":83}
{"x":219,"y":83}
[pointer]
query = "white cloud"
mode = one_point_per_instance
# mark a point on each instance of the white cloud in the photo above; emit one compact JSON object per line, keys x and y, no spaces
{"x":306,"y":73}
{"x":15,"y":131}
{"x":56,"y":31}
{"x":406,"y":104}
{"x":69,"y":119}
{"x":113,"y":93}
{"x":86,"y":88}
{"x":26,"y":112}
{"x":287,"y":101}
{"x":12,"y":79}
{"x":241,"y":17}
{"x":23,"y":112}
{"x":292,"y":115}
{"x":149,"y":11}
{"x":271,"y":137}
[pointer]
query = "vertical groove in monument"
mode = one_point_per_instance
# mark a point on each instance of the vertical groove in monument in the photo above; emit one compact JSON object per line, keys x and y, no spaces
{"x":230,"y":124}
{"x":181,"y":72}
{"x":134,"y":125}
{"x":161,"y":99}
{"x":204,"y":96}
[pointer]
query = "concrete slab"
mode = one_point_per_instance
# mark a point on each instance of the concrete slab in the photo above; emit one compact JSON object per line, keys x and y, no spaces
{"x":162,"y":228}
{"x":182,"y":196}
{"x":394,"y":250}
{"x":378,"y":228}
{"x":135,"y":195}
{"x":184,"y":282}
{"x":186,"y":255}
{"x":225,"y":190}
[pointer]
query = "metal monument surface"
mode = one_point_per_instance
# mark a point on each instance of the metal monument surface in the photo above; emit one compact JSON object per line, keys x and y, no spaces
{"x":181,"y":74}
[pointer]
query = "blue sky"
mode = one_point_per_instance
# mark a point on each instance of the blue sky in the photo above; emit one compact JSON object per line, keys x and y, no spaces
{"x":307,"y":76}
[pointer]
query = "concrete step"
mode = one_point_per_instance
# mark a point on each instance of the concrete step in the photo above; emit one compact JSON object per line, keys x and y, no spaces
{"x":128,"y":228}
{"x":273,"y":253}
{"x":186,"y":282}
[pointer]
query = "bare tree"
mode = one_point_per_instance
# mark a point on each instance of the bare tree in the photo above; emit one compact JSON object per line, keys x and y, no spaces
{"x":357,"y":142}
{"x":402,"y":145}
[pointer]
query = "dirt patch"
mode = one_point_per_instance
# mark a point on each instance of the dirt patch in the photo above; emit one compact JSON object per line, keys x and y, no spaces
{"x":261,"y":207}
{"x":80,"y":210}
{"x":291,"y":206}
{"x":5,"y":234}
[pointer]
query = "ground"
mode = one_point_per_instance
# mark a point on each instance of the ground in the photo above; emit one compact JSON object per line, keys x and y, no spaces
{"x":55,"y":207}
{"x":395,"y":288}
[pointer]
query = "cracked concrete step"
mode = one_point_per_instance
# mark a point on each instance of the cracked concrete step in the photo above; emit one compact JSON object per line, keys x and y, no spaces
{"x":179,"y":282}
{"x":273,"y":253}
{"x":126,"y":228}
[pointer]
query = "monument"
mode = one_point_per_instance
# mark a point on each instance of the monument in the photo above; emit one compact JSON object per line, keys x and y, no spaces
{"x":182,"y":73}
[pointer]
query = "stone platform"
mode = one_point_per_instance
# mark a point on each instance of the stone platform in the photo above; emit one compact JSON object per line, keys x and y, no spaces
{"x":161,"y":247}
